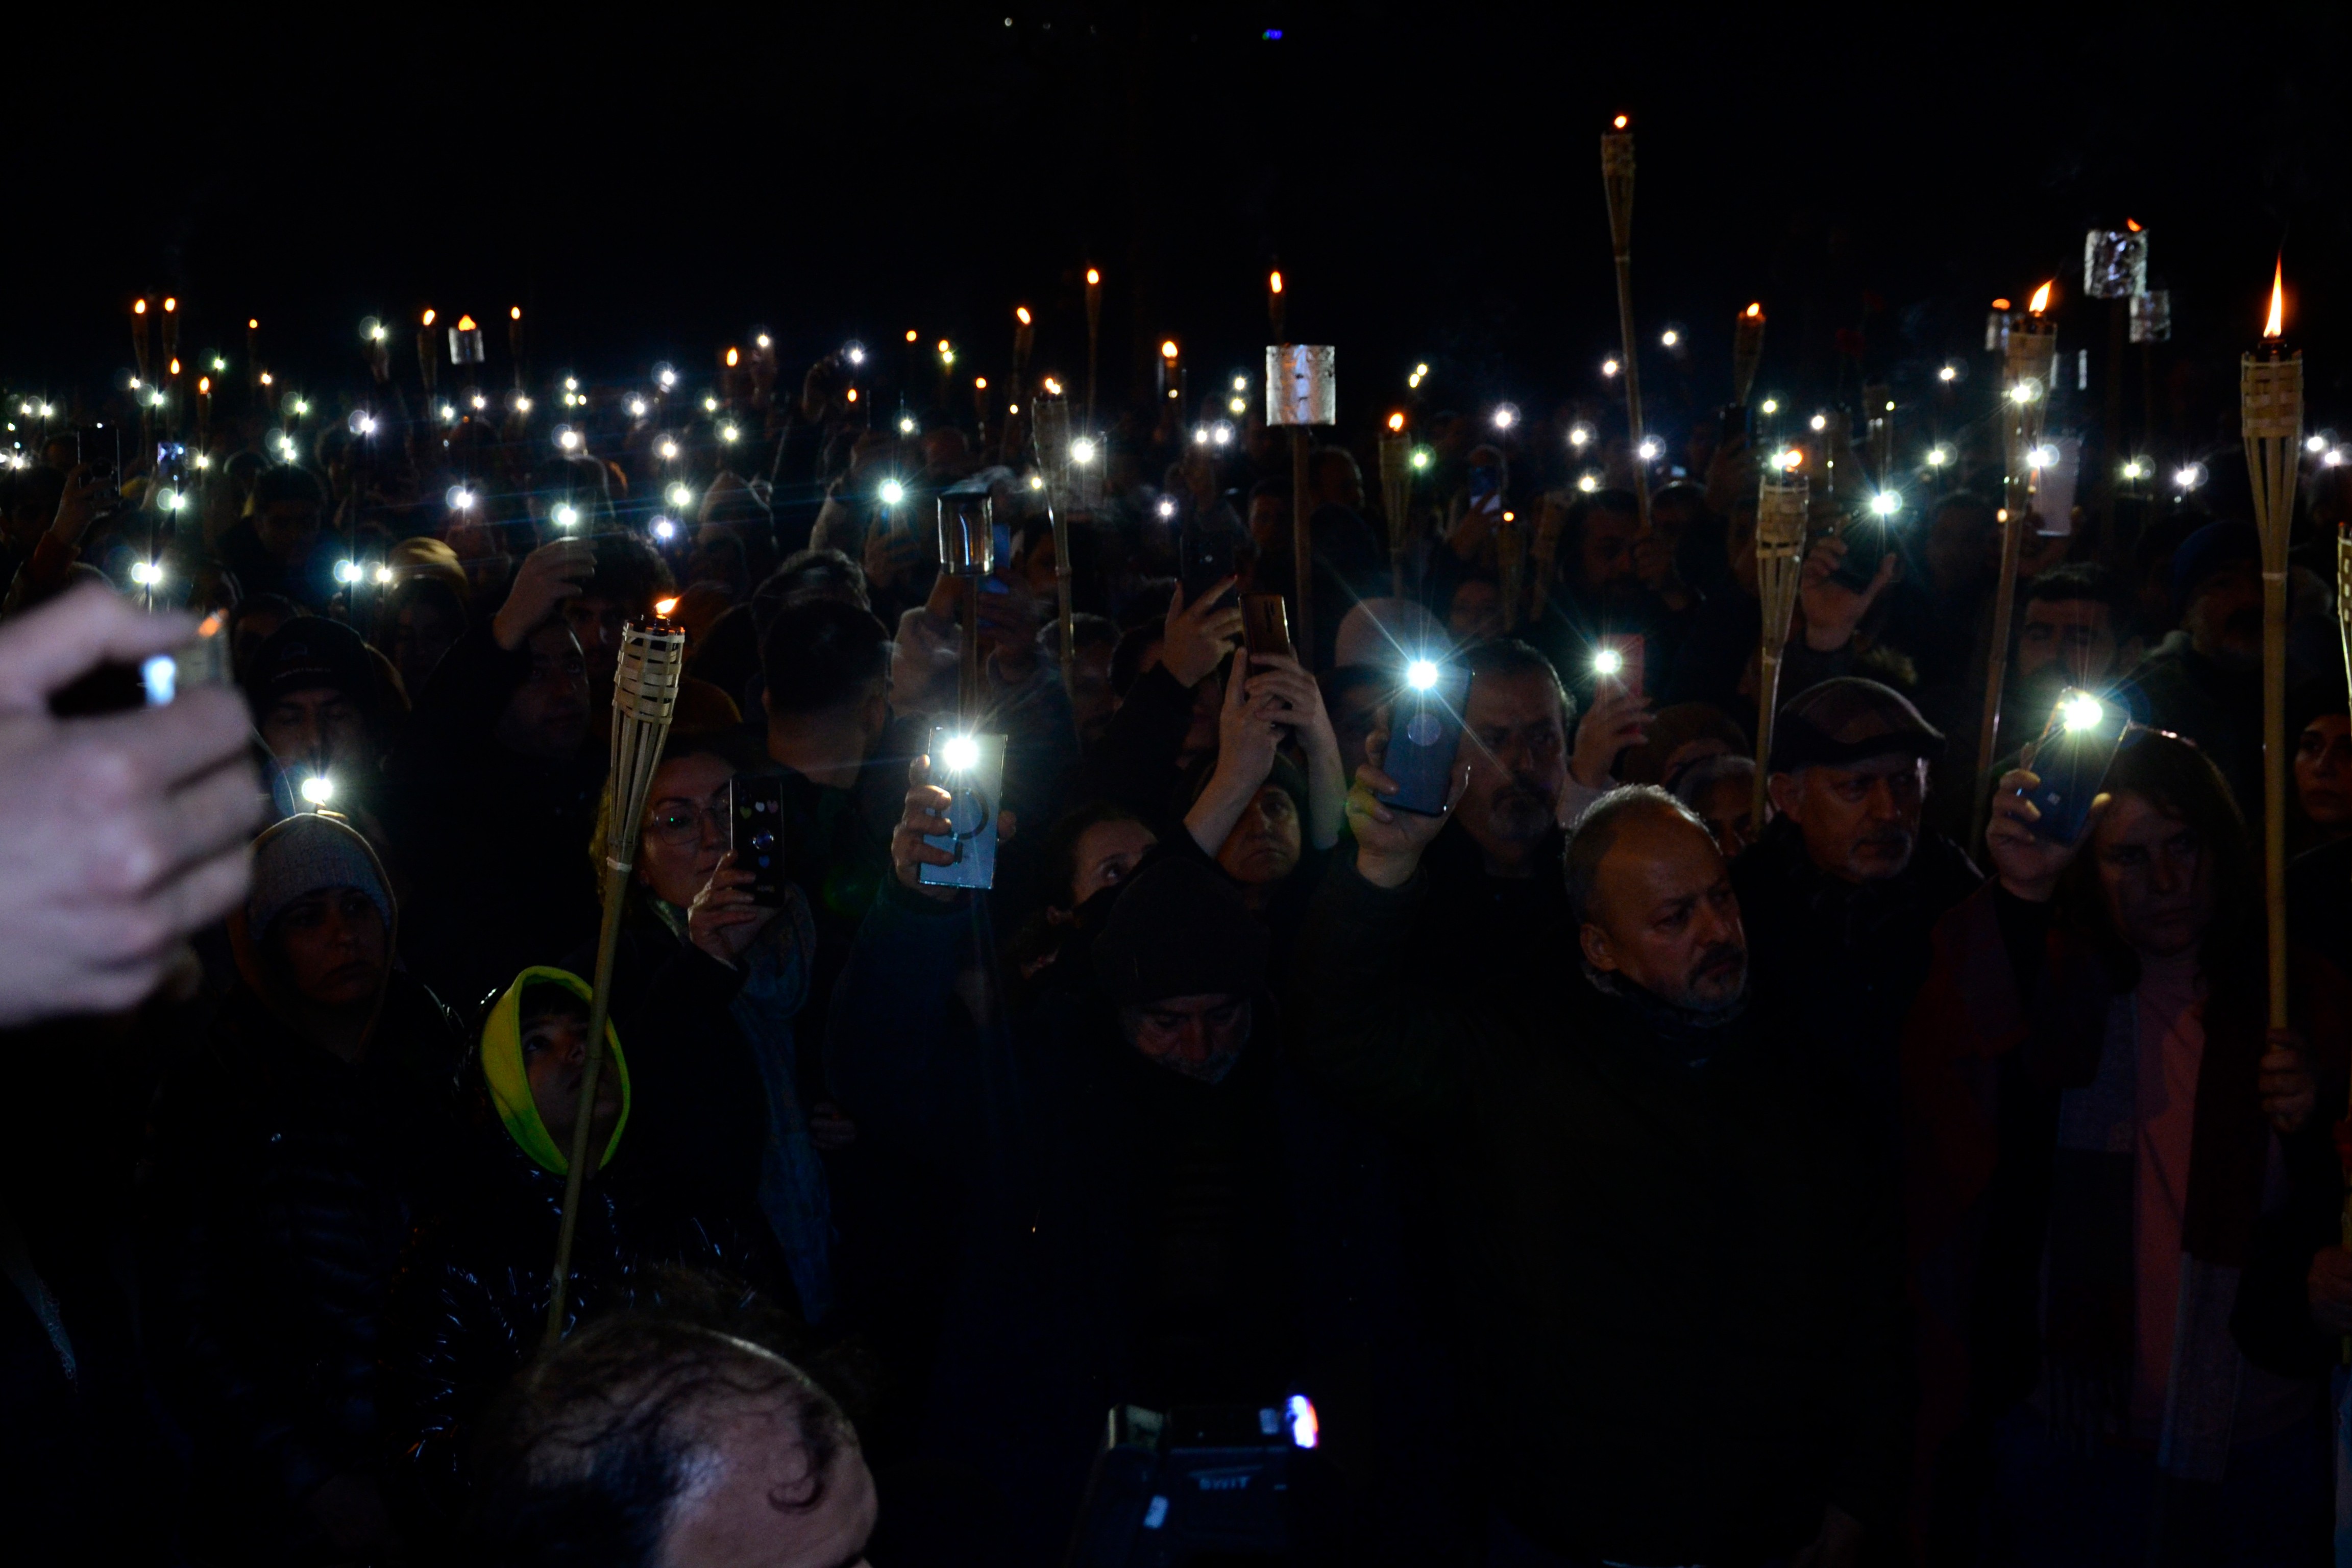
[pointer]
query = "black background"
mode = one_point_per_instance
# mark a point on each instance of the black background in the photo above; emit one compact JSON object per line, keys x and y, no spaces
{"x":648,"y":180}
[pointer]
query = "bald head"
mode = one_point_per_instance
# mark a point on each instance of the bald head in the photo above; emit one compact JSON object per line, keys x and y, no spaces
{"x":1653,"y":900}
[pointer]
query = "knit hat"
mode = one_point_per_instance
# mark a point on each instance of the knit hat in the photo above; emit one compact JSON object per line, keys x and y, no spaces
{"x":509,"y":1080}
{"x":1848,"y":720}
{"x":2211,"y":549}
{"x":307,"y":653}
{"x":1180,"y":929}
{"x":307,"y":854}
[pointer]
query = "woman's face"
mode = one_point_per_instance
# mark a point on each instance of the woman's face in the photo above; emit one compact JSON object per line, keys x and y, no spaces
{"x":1107,"y":855}
{"x":2156,"y":875}
{"x":333,"y":946}
{"x":2323,"y":771}
{"x":686,"y":827}
{"x":1263,"y":848}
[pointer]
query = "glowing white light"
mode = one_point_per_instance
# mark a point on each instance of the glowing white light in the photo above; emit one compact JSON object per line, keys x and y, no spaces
{"x":1237,"y":405}
{"x":906,"y":425}
{"x":1608,"y":661}
{"x":2189,"y":477}
{"x":1083,"y":450}
{"x":49,"y":410}
{"x":1886,"y":503}
{"x":668,"y":451}
{"x":2025,"y":391}
{"x":1166,"y":506}
{"x":1036,"y":482}
{"x":1306,"y":1426}
{"x":317,"y":789}
{"x":479,"y":401}
{"x":1506,"y":415}
{"x":522,"y":406}
{"x":1586,"y":483}
{"x":567,"y":516}
{"x":1420,"y":675}
{"x":2314,"y":443}
{"x":893,"y":492}
{"x":2135,"y":469}
{"x":639,"y":407}
{"x":459,"y":498}
{"x":730,"y":433}
{"x":146,"y":573}
{"x":346,"y":571}
{"x":1819,"y":421}
{"x":681,"y":497}
{"x":2081,"y":711}
{"x":449,"y":414}
{"x":857,"y":354}
{"x":1670,"y":337}
{"x":301,"y":405}
{"x":1771,"y":406}
{"x":1950,"y":373}
{"x":1421,"y":457}
{"x":1200,"y":435}
{"x":666,"y":376}
{"x":568,"y":439}
{"x":665,"y":530}
{"x":1937,"y":457}
{"x":961,"y":752}
{"x":2040,"y":457}
{"x":2335,"y":459}
{"x":203,"y":461}
{"x":171,"y":500}
{"x":1609,"y":367}
{"x":1221,"y":434}
{"x":1241,"y":384}
{"x":383,"y":575}
{"x":1649,"y":449}
{"x":1580,"y":437}
{"x":570,"y":384}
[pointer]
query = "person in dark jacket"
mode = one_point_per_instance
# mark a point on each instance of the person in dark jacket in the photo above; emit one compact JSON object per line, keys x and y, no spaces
{"x":1117,"y":1150}
{"x":492,"y":797}
{"x":292,"y":1158}
{"x":2121,"y":1200}
{"x":2204,"y":680}
{"x":1679,"y":1287}
{"x":274,"y":547}
{"x":1842,"y":890}
{"x":470,"y":1308}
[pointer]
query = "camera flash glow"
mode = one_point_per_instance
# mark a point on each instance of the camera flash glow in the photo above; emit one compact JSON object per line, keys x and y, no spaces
{"x":893,"y":492}
{"x":1886,"y":503}
{"x":2314,"y":443}
{"x":1036,"y":482}
{"x":1166,"y":506}
{"x":146,"y":573}
{"x":666,"y":376}
{"x":1580,"y":435}
{"x":1937,"y":457}
{"x":1506,"y":415}
{"x":1649,"y":449}
{"x":383,"y":575}
{"x":1950,"y":373}
{"x":1821,"y":422}
{"x":301,"y":405}
{"x":2335,"y":459}
{"x":665,"y":530}
{"x":1421,"y":457}
{"x":730,"y":433}
{"x":2025,"y":391}
{"x":1083,"y":450}
{"x":317,"y":789}
{"x":346,"y":571}
{"x":855,"y":354}
{"x":710,"y":405}
{"x":1609,"y":367}
{"x":681,"y":497}
{"x":1221,"y":434}
{"x":522,"y":406}
{"x":1421,"y":674}
{"x":668,"y":451}
{"x":2135,"y":469}
{"x":906,"y":425}
{"x":459,"y":498}
{"x":2042,"y":457}
{"x":637,"y":407}
{"x":1586,"y":483}
{"x":1608,"y":661}
{"x":1771,"y":406}
{"x":961,"y":752}
{"x":2190,"y":476}
{"x":2081,"y":711}
{"x":480,"y":401}
{"x":567,"y":516}
{"x":569,"y":440}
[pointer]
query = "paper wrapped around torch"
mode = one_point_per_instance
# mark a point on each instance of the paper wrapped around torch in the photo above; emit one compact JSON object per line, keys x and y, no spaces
{"x":1781,"y":509}
{"x":1301,"y":390}
{"x":644,"y":693}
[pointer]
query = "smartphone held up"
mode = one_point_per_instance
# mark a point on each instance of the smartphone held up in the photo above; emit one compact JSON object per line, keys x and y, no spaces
{"x":2071,"y":762}
{"x":970,"y":768}
{"x":756,"y":837}
{"x":1425,"y":728}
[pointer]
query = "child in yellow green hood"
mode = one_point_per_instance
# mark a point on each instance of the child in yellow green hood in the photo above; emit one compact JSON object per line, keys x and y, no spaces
{"x":534,"y":1054}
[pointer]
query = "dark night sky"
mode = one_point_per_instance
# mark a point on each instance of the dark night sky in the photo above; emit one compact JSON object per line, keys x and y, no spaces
{"x":1427,"y":176}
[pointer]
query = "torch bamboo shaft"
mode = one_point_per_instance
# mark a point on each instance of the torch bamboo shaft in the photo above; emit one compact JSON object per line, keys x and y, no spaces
{"x":608,"y":941}
{"x":1632,"y":369}
{"x":1302,"y":545}
{"x":2275,"y":768}
{"x":2004,"y":601}
{"x":1768,"y":699}
{"x":1061,"y":527}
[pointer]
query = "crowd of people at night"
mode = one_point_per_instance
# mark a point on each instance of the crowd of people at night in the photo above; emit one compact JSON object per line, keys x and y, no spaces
{"x":1595,"y":1169}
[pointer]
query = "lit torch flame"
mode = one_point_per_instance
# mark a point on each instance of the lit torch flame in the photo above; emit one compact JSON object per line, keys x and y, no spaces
{"x":139,"y":307}
{"x":1619,"y":122}
{"x":466,"y":324}
{"x":1021,"y":315}
{"x":2041,"y":300}
{"x":1274,"y":282}
{"x":1094,"y":279}
{"x":2276,"y":325}
{"x":1755,"y":312}
{"x":733,"y":358}
{"x":2132,"y":224}
{"x":1396,"y":421}
{"x":514,"y":312}
{"x":1168,"y":349}
{"x":429,"y":314}
{"x":663,"y":608}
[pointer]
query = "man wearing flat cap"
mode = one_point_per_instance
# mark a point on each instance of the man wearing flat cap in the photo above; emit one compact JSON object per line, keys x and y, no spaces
{"x":1843,"y":888}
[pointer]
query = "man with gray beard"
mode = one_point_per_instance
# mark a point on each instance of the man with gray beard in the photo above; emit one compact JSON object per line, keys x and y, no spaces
{"x":1678,"y":1290}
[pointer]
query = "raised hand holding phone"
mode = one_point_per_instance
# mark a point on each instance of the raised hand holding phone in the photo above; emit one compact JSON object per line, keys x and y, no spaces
{"x":1389,"y":841}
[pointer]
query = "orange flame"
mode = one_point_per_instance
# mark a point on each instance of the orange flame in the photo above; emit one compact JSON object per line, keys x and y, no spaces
{"x":170,"y":305}
{"x":1274,"y":282}
{"x":1094,"y":279}
{"x":852,"y":395}
{"x":2041,"y":300}
{"x":946,"y":347}
{"x":204,"y":385}
{"x":139,"y":307}
{"x":980,"y":384}
{"x":253,"y":323}
{"x":1168,"y":349}
{"x":912,"y":334}
{"x":466,"y":324}
{"x":1021,"y":315}
{"x":2000,"y":304}
{"x":662,"y":607}
{"x":2132,"y":224}
{"x":1756,"y":311}
{"x":1619,"y":122}
{"x":428,"y":316}
{"x":2276,"y":326}
{"x":733,"y":358}
{"x":175,"y":367}
{"x":514,"y":312}
{"x":1396,"y":421}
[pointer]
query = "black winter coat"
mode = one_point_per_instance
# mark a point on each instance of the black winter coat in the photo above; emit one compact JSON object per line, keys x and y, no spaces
{"x":283,"y":1186}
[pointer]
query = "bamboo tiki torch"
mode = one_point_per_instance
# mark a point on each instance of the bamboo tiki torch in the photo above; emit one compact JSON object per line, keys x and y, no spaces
{"x":645,"y":692}
{"x":1511,"y":559}
{"x":1617,"y":179}
{"x":2115,"y":268}
{"x":2270,"y":402}
{"x":1094,"y":337}
{"x":1782,"y":506}
{"x":142,"y":352}
{"x":1024,"y":336}
{"x":1746,"y":351}
{"x":1396,"y":495}
{"x":514,"y":342}
{"x":2031,"y":355}
{"x":1300,"y":393}
{"x":1052,"y":423}
{"x":428,"y":363}
{"x":171,"y":415}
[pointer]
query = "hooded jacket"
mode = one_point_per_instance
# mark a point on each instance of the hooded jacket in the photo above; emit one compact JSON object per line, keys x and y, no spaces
{"x":470,"y":1306}
{"x":283,"y":1183}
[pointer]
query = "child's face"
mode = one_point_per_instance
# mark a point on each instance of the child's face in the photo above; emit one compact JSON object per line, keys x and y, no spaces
{"x":554,"y":1057}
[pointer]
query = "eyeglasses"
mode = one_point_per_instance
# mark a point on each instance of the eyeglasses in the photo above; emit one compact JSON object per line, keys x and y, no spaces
{"x":682,"y":822}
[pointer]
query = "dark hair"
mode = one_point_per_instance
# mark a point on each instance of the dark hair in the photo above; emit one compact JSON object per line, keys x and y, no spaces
{"x":1343,"y":680}
{"x":284,"y":482}
{"x":2081,"y":581}
{"x":589,"y":1449}
{"x":1328,"y":458}
{"x":1595,"y":835}
{"x":1504,"y":658}
{"x":806,"y":574}
{"x":1087,"y":630}
{"x":542,"y":997}
{"x":628,"y":573}
{"x":820,"y":654}
{"x":1127,"y":659}
{"x":1057,"y":856}
{"x":2178,"y":780}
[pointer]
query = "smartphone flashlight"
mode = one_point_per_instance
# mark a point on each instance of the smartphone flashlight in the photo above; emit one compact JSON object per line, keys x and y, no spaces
{"x":317,"y":789}
{"x":2081,"y":711}
{"x":1421,"y":674}
{"x":1608,"y":661}
{"x":960,"y":752}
